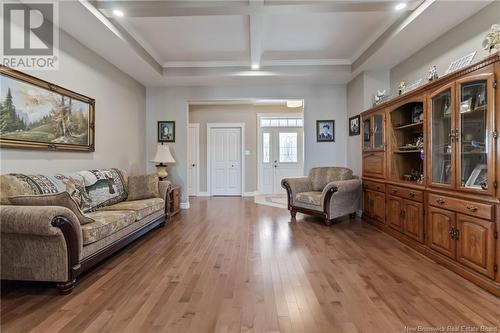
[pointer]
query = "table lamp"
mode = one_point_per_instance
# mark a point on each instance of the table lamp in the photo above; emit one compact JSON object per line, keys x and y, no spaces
{"x":162,"y":157}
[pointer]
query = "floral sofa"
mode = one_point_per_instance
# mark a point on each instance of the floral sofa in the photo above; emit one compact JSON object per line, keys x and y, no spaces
{"x":328,"y":192}
{"x":54,"y":227}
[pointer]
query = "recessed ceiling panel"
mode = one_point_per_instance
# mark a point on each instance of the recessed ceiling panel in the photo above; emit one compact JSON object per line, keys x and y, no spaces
{"x":320,"y":35}
{"x":195,"y":38}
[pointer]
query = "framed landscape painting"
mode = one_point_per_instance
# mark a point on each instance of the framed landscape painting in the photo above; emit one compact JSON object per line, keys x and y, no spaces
{"x":36,"y":114}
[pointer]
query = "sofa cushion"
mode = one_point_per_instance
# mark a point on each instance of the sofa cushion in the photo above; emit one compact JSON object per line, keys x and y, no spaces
{"x":310,"y":198}
{"x":104,"y":187}
{"x":62,"y":199}
{"x":143,"y":187}
{"x":321,"y":176}
{"x":141,"y":208}
{"x":105,"y":223}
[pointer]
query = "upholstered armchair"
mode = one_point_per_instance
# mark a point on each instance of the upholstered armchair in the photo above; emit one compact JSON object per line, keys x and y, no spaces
{"x":328,"y":192}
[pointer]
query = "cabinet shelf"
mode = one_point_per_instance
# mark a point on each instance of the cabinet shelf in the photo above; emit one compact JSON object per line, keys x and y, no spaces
{"x":419,"y":124}
{"x":407,"y":151}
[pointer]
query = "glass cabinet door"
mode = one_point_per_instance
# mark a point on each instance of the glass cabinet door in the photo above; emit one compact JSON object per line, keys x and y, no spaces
{"x":367,"y":133}
{"x":378,"y":131}
{"x":472,"y":135}
{"x":442,"y":137}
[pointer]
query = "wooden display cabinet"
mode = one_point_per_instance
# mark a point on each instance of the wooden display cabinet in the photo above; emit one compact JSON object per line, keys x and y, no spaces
{"x":451,"y":213}
{"x":374,"y":144}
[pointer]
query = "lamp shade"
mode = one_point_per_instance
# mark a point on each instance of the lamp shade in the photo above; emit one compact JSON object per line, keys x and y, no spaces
{"x":163,"y":155}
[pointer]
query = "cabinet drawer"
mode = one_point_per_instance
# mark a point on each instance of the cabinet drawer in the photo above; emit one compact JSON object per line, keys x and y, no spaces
{"x":476,"y":209}
{"x":374,"y":186}
{"x":374,"y":164}
{"x":406,"y":193}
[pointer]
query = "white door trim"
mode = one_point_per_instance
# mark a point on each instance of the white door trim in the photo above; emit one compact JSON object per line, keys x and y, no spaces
{"x":241,"y":126}
{"x":259,"y":141}
{"x":197,"y":145}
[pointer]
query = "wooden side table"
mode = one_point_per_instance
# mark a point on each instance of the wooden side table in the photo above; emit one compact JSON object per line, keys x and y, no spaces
{"x":175,"y":200}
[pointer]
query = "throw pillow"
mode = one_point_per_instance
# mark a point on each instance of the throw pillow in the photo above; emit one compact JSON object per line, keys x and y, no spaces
{"x":72,"y":183}
{"x":62,"y":199}
{"x":10,"y":186}
{"x":143,"y":187}
{"x":104,"y":187}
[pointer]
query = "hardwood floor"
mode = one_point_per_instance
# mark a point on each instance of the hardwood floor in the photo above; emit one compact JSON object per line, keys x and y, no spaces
{"x":229,"y":265}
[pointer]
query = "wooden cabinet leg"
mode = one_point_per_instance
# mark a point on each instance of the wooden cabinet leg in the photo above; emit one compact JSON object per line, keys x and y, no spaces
{"x":66,"y":288}
{"x":328,"y":221}
{"x":293,"y":214}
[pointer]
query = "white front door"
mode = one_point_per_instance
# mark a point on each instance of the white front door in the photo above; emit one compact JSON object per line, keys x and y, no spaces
{"x":193,"y":157}
{"x":225,"y":161}
{"x":282,"y":156}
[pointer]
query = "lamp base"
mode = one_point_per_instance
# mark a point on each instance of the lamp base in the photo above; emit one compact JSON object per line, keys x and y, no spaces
{"x":161,"y":171}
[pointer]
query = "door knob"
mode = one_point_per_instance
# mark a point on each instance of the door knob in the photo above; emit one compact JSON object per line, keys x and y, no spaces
{"x":193,"y":165}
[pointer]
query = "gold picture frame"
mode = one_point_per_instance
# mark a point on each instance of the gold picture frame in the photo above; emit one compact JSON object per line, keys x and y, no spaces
{"x":50,"y":117}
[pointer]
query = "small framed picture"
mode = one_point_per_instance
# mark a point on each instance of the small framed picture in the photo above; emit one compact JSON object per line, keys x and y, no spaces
{"x":166,"y":131}
{"x":325,"y":130}
{"x":478,"y":177}
{"x":354,"y":125}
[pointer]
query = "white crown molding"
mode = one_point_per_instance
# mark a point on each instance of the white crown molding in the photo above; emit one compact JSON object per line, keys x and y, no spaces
{"x":264,"y":63}
{"x":307,"y":62}
{"x":204,"y":64}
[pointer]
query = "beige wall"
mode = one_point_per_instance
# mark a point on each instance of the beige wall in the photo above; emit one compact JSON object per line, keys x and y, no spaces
{"x":355,"y":105}
{"x":203,"y":114}
{"x":320,"y":102}
{"x":120,"y":116}
{"x":457,"y":42}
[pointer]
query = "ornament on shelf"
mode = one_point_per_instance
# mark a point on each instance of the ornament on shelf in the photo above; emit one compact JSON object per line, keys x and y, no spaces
{"x":492,"y":39}
{"x":380,"y":97}
{"x":433,"y":74}
{"x":401,"y":87}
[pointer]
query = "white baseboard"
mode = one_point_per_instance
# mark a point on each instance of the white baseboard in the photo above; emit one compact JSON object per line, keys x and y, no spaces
{"x":184,"y":205}
{"x":245,"y":194}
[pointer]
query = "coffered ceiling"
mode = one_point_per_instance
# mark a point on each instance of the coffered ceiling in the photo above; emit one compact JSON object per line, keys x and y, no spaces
{"x":233,"y":42}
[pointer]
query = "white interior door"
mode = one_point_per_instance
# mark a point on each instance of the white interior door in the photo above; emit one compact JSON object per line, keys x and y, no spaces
{"x":193,"y":158}
{"x":225,"y":156}
{"x":282,"y":156}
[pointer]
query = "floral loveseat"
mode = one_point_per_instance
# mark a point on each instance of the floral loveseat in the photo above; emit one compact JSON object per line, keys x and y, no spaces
{"x":54,"y":227}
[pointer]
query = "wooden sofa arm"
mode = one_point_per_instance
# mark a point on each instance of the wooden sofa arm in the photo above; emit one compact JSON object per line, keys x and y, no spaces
{"x":40,"y":243}
{"x":295,"y":185}
{"x":165,"y":187}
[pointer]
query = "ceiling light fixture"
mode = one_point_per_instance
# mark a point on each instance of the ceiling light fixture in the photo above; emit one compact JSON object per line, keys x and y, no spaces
{"x":119,"y":13}
{"x":255,"y":67}
{"x":400,"y":6}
